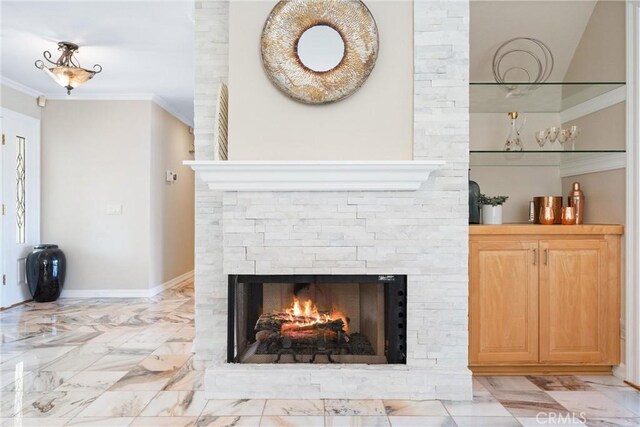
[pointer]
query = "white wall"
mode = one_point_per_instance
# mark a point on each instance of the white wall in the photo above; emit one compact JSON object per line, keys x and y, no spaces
{"x":374,"y":123}
{"x":172,"y":204}
{"x":98,"y":154}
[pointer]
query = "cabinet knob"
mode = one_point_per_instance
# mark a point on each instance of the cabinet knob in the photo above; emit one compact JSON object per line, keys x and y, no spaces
{"x":535,"y":257}
{"x":546,"y":256}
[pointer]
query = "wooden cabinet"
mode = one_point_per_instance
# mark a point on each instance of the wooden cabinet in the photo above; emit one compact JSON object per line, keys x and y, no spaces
{"x":578,"y":302}
{"x":544,"y":298}
{"x":503,"y":322}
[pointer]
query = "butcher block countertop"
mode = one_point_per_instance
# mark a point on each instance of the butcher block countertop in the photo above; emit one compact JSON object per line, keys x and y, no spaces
{"x":538,"y":229}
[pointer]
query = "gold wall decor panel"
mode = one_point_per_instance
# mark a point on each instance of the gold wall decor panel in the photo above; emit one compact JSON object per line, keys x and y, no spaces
{"x":289,"y":19}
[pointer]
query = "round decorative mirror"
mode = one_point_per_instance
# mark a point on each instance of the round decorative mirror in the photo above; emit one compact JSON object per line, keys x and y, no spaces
{"x":318,"y":51}
{"x":320,"y":48}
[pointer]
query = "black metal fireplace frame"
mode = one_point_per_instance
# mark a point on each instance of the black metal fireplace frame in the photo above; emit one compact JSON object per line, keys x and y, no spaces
{"x":395,"y":290}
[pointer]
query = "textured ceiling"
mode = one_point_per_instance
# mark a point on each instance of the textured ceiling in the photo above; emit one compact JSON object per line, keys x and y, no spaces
{"x":145,"y":47}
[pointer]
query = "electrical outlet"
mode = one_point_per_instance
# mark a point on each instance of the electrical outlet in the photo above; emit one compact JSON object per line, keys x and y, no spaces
{"x":114,"y":209}
{"x":171,"y":176}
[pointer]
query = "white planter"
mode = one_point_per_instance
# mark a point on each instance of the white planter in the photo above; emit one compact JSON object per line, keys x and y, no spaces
{"x":491,"y":215}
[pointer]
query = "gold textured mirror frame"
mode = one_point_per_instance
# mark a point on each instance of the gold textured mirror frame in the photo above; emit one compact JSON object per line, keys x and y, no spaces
{"x":289,"y":19}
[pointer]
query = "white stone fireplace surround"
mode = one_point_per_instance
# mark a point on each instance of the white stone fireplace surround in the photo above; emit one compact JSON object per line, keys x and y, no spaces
{"x":421,"y":233}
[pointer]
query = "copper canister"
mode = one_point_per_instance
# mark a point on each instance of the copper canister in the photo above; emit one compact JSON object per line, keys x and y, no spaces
{"x":576,"y":199}
{"x":553,"y":201}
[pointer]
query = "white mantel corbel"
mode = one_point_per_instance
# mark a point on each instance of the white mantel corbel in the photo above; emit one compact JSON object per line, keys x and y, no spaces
{"x":406,"y":175}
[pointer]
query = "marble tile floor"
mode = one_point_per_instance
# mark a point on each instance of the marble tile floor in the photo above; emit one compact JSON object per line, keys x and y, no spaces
{"x":129,"y":362}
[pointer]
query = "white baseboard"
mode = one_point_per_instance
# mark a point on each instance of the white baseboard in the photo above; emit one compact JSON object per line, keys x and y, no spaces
{"x":620,"y":371}
{"x":104,"y":293}
{"x":171,"y":283}
{"x":126,"y":293}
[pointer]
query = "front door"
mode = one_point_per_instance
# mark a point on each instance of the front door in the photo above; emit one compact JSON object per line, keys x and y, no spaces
{"x":20,"y":159}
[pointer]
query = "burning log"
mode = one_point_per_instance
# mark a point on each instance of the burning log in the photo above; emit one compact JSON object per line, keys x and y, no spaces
{"x":333,"y":325}
{"x":272,"y":321}
{"x":278,"y":322}
{"x":266,"y":335}
{"x":311,"y":337}
{"x":302,"y":329}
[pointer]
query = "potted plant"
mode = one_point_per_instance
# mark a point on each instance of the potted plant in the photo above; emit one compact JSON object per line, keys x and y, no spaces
{"x":492,"y":208}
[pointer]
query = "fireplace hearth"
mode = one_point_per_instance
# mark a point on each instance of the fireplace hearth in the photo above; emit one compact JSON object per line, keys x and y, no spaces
{"x":317,"y":319}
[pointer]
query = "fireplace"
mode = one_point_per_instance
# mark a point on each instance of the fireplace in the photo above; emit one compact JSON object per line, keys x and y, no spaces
{"x":272,"y":214}
{"x":320,"y":319}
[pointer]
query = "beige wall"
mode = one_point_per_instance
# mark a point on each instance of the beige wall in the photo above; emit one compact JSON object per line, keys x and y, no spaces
{"x":19,"y":102}
{"x":521,"y":184}
{"x":601,"y":56}
{"x":374,"y":123}
{"x":488,"y":131}
{"x":172,"y":204}
{"x":601,"y":53}
{"x":604,"y":129}
{"x":605,"y":195}
{"x":602,"y":204}
{"x":108,"y":153}
{"x":95,"y":154}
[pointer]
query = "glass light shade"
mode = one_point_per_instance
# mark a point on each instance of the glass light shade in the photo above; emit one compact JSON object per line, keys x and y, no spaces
{"x":69,"y":77}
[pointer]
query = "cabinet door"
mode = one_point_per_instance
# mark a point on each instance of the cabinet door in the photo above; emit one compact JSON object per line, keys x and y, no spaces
{"x":503,"y":302}
{"x":578,"y":302}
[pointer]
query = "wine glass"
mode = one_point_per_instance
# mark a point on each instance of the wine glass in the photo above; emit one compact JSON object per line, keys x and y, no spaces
{"x":572,"y":134}
{"x":541,"y":137}
{"x":564,"y":136}
{"x":553,"y":133}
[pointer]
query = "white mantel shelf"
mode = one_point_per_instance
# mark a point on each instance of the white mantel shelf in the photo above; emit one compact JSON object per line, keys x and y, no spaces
{"x":406,"y":175}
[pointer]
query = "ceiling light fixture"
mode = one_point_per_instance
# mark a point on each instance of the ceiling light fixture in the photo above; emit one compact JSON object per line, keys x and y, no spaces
{"x":66,"y":71}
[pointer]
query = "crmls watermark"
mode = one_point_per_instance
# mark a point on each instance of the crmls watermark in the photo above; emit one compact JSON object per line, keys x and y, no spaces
{"x":553,"y":419}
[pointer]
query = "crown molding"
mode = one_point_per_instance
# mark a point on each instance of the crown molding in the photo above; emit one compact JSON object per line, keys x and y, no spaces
{"x":159,"y":101}
{"x":88,"y":96}
{"x":100,"y":97}
{"x":19,"y":87}
{"x":60,"y":96}
{"x":162,"y":103}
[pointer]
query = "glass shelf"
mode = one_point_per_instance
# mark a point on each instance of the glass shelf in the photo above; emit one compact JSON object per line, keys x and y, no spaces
{"x":492,"y":97}
{"x":537,"y":158}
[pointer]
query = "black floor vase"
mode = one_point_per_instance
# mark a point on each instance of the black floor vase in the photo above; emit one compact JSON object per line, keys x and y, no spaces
{"x":46,"y":268}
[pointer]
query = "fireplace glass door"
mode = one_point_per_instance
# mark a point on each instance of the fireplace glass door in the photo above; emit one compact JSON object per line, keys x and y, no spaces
{"x":317,"y":319}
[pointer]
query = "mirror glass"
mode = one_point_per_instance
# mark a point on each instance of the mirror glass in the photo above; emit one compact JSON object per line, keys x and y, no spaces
{"x":320,"y":48}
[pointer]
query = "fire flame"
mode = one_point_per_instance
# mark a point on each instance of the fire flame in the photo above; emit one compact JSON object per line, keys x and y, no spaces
{"x":307,"y":314}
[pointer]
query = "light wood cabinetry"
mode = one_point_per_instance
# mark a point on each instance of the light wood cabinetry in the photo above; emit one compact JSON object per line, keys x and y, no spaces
{"x":503,"y":322}
{"x":544,"y":298}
